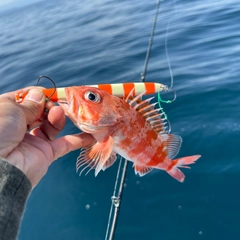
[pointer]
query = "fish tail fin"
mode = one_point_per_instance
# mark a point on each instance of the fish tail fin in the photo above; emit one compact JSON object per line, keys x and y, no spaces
{"x":181,"y":163}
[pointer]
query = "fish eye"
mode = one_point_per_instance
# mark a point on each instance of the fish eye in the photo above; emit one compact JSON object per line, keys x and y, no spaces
{"x":91,"y":96}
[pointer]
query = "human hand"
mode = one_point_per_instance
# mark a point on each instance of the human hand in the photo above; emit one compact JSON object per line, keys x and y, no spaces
{"x":28,"y":134}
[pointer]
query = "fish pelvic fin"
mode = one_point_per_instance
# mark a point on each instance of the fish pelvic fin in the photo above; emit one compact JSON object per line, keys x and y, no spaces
{"x":98,"y":156}
{"x":111,"y":160}
{"x":181,"y":163}
{"x":141,"y":170}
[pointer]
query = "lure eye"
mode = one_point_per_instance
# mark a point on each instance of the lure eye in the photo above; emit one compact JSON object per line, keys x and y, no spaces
{"x":91,"y":96}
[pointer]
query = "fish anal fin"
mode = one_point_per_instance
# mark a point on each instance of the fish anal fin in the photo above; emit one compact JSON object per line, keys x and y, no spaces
{"x":111,"y":160}
{"x":172,"y":142}
{"x":177,"y":174}
{"x":141,"y":169}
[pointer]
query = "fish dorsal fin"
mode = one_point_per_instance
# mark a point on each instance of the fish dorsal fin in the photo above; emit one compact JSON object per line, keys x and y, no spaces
{"x":131,"y":100}
{"x":147,"y":110}
{"x":96,"y":156}
{"x":172,"y":142}
{"x":141,"y":169}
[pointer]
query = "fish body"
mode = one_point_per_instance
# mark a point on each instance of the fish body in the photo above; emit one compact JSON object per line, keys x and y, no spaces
{"x":130,"y":127}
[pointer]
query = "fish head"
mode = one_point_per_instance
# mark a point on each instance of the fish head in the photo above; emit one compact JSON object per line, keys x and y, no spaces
{"x":90,"y":109}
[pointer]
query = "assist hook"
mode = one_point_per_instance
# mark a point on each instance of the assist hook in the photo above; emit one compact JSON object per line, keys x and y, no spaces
{"x":54,"y":84}
{"x":168,"y":101}
{"x":160,"y":100}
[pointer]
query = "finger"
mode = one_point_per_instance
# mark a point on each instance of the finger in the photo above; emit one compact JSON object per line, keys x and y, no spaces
{"x":44,"y":116}
{"x":33,"y":105}
{"x":39,"y":145}
{"x":63,"y":145}
{"x":11,"y":95}
{"x":56,"y":117}
{"x":47,"y":107}
{"x":34,"y":125}
{"x":52,"y":126}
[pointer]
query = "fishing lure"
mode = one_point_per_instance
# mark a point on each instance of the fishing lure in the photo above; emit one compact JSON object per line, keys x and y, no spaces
{"x":116,"y":89}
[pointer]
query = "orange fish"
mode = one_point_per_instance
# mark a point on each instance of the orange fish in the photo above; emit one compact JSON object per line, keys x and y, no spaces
{"x":130,"y":127}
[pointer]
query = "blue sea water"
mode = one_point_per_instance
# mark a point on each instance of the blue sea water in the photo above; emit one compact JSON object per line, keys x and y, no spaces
{"x":82,"y":42}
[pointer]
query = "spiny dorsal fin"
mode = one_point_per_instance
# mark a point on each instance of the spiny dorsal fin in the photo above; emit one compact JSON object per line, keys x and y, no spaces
{"x":147,"y":110}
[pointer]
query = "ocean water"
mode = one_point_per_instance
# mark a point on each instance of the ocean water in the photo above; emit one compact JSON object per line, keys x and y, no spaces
{"x":82,"y":42}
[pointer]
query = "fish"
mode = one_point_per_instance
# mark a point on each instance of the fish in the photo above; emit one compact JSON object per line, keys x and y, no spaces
{"x":128,"y":126}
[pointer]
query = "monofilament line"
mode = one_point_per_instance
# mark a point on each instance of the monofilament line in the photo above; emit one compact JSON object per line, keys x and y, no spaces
{"x":167,"y":56}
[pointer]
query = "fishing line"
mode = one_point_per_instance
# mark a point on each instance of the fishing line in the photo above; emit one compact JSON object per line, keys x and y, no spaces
{"x":166,"y":47}
{"x":167,"y":56}
{"x":171,"y":76}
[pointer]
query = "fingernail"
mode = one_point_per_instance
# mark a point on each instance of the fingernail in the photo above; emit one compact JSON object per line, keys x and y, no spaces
{"x":35,"y":95}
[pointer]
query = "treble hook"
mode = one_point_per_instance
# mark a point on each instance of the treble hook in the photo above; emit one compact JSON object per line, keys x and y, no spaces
{"x":54,"y":84}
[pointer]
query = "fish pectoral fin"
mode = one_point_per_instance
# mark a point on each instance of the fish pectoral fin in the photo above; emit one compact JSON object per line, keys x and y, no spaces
{"x":172,"y":142}
{"x":98,"y":156}
{"x":84,"y":159}
{"x":111,"y":160}
{"x":141,"y":169}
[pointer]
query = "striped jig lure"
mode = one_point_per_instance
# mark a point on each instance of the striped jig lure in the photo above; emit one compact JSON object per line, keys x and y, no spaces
{"x":117,"y":89}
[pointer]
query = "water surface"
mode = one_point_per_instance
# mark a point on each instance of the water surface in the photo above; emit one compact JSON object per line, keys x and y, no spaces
{"x":81,"y":42}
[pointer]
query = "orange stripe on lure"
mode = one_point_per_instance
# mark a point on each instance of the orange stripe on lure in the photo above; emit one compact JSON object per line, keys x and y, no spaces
{"x":116,"y":89}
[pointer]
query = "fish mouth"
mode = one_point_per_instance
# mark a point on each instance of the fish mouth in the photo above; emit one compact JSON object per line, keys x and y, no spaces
{"x":93,"y":129}
{"x":64,"y":105}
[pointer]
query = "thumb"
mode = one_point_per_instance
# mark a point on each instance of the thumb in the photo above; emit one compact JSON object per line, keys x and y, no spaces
{"x":33,"y":105}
